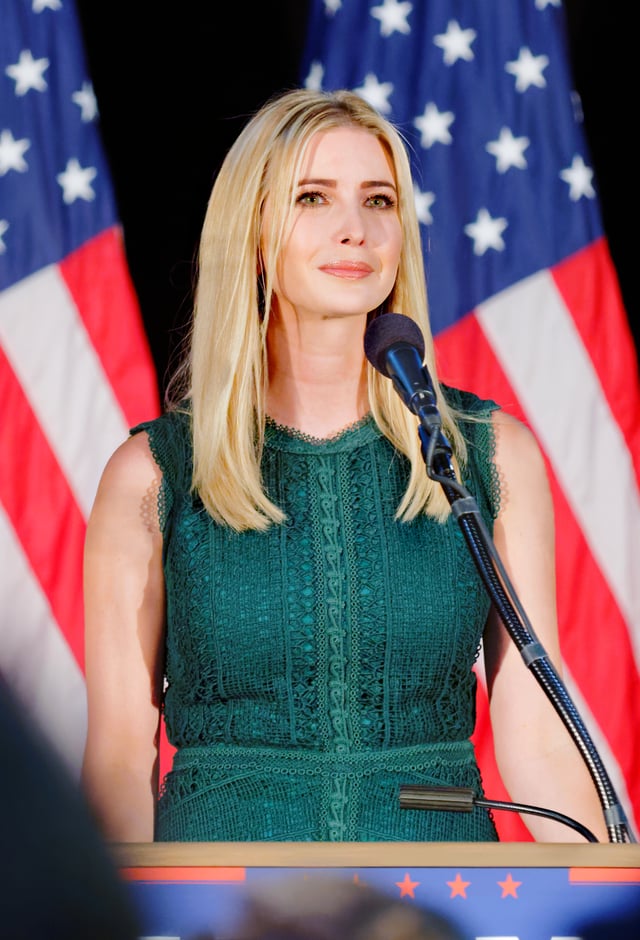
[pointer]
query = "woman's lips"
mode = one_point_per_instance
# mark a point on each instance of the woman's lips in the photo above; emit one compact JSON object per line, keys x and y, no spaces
{"x":348,"y":269}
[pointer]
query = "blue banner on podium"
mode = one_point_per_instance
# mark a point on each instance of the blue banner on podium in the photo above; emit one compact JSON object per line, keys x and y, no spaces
{"x":492,"y":903}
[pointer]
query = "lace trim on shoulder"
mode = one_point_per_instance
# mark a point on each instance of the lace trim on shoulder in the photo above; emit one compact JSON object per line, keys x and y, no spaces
{"x":495,"y":487}
{"x":169,"y":442}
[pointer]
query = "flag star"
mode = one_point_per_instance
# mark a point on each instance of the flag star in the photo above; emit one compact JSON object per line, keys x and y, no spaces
{"x":456,"y":43}
{"x":376,"y":93}
{"x":76,"y":182}
{"x":509,"y":887}
{"x":434,"y":126}
{"x":393,"y":16}
{"x":12,"y":153}
{"x":332,"y":6}
{"x":528,"y":69}
{"x":86,"y":101}
{"x":28,"y":73}
{"x":486,"y":232}
{"x":4,"y":225}
{"x":423,"y":202}
{"x":458,"y":887}
{"x":543,"y":4}
{"x":315,"y":76}
{"x":508,"y":150}
{"x":579,"y":177}
{"x":39,"y":5}
{"x":407,"y":886}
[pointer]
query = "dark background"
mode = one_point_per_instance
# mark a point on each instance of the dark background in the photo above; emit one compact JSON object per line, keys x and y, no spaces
{"x":174,"y":90}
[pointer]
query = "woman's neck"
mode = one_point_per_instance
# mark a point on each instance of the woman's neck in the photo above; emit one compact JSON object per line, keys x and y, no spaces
{"x":317,"y":383}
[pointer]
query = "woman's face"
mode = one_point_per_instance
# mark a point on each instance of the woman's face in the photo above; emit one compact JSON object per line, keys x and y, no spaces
{"x":341,"y":254}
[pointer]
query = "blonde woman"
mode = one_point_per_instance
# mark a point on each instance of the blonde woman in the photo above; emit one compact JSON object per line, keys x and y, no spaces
{"x":269,"y":566}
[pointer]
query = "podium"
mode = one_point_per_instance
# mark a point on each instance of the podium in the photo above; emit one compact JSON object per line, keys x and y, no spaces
{"x":497,"y":891}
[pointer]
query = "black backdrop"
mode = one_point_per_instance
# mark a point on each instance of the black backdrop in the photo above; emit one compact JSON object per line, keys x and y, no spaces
{"x":174,"y":89}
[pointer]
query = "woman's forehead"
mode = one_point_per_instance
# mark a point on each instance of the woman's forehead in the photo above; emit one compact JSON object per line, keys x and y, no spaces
{"x":339,"y":148}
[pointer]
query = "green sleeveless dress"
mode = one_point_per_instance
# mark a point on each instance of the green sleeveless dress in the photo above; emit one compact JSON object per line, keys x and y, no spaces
{"x":314,"y":668}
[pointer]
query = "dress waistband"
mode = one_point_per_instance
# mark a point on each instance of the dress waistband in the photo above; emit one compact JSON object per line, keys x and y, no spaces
{"x":342,"y":760}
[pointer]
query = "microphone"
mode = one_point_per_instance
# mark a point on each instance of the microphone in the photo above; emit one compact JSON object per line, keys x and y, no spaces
{"x":394,"y":345}
{"x":463,"y":800}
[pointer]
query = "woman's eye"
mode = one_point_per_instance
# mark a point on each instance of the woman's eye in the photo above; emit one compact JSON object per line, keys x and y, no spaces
{"x":310,"y":199}
{"x":381,"y":200}
{"x":315,"y":198}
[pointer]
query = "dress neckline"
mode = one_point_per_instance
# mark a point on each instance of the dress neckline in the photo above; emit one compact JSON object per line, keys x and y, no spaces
{"x":283,"y":437}
{"x":311,"y":438}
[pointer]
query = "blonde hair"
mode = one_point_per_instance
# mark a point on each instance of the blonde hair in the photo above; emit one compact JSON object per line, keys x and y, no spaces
{"x":223,"y":378}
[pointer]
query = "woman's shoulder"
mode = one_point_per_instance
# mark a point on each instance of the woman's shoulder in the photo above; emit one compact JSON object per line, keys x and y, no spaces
{"x":175,"y":422}
{"x":510,"y":435}
{"x":129,"y":473}
{"x":518,"y":452}
{"x":169,"y":441}
{"x":502,"y":451}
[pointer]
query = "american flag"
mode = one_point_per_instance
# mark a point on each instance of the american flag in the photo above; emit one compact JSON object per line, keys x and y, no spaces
{"x":75,"y":367}
{"x":524,"y":301}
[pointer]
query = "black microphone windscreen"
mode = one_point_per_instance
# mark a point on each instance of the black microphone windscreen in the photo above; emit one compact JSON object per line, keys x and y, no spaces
{"x":387,"y":329}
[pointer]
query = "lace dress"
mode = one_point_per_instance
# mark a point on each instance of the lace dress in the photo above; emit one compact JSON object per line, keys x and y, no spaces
{"x":314,"y":668}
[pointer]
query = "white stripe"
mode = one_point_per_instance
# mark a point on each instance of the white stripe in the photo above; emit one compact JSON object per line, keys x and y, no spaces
{"x":35,"y":659}
{"x":51,"y":353}
{"x":534,"y":336}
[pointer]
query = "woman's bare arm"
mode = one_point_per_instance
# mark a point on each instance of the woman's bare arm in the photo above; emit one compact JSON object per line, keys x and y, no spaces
{"x":124,"y":633}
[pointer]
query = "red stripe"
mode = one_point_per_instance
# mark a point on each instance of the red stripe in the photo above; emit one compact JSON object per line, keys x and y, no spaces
{"x":596,"y":645}
{"x":42,"y":509}
{"x":589,"y":288}
{"x":166,"y":752}
{"x":99,"y":282}
{"x":466,"y":360}
{"x":604,"y":876}
{"x":191,"y":874}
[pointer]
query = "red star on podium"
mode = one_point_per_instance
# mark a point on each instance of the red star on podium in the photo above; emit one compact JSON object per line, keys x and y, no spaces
{"x":458,"y":887}
{"x":407,"y":886}
{"x":509,"y":887}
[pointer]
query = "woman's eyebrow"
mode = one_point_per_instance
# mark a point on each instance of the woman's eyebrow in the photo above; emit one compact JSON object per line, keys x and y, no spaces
{"x":366,"y":184}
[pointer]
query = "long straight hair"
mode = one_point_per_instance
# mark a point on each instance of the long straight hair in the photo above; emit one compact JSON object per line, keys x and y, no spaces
{"x":222,"y":379}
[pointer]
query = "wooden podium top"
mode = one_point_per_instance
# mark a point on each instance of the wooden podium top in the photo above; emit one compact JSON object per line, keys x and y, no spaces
{"x":377,"y":854}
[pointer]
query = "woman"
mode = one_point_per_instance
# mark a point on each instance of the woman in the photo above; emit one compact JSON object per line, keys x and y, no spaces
{"x":269,"y":566}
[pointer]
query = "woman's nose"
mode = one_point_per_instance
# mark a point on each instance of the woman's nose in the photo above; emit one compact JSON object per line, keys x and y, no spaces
{"x":351,"y":229}
{"x":352,"y":239}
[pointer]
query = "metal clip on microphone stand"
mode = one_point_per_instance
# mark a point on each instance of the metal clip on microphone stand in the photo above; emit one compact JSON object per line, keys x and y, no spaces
{"x":437,"y":453}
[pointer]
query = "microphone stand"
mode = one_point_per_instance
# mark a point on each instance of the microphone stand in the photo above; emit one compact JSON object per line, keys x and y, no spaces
{"x":437,"y":453}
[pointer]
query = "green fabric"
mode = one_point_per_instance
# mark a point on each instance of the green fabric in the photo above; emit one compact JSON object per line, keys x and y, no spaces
{"x":313,"y":668}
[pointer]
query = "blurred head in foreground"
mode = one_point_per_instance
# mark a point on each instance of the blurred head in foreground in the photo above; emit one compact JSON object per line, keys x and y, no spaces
{"x":334,"y":909}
